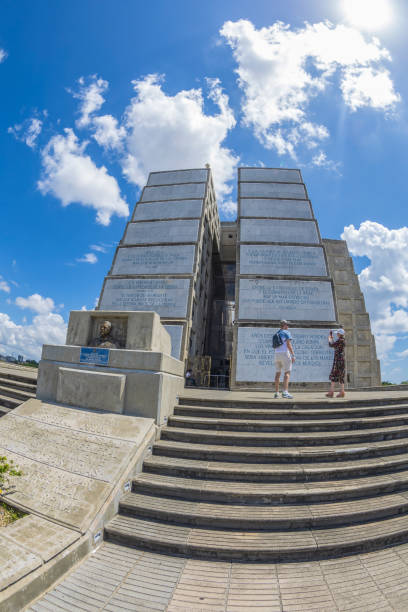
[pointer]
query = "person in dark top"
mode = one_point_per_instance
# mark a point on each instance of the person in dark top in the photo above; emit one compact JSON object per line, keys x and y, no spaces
{"x":338,"y":370}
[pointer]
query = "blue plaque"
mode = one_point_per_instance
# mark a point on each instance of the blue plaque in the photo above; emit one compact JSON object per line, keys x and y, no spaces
{"x":98,"y":356}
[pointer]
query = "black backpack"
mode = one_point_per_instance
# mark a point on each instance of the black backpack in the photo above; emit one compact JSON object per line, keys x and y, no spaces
{"x":277,"y":340}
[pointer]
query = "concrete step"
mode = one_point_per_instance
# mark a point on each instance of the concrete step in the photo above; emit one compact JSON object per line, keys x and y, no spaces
{"x":16,"y":393}
{"x":279,"y":455}
{"x":288,"y":413}
{"x":264,"y":472}
{"x":262,"y":404}
{"x":7,"y":402}
{"x":243,"y":438}
{"x":298,"y":426}
{"x":15,"y":384}
{"x":271,"y":517}
{"x":262,"y":493}
{"x":19,"y":374}
{"x":274,"y":546}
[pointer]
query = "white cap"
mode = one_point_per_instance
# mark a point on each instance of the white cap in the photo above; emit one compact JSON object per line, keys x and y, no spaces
{"x":340,"y":332}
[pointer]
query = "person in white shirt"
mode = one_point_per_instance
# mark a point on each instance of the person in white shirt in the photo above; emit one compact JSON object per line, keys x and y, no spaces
{"x":284,"y":358}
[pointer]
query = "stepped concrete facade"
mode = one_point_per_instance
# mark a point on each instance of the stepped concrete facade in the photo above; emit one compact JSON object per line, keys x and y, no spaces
{"x":222,"y":288}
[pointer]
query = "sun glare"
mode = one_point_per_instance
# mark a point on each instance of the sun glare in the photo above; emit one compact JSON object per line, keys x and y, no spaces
{"x":368,"y":14}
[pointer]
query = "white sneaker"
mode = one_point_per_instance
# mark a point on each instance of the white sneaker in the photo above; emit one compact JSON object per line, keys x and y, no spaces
{"x":276,"y":396}
{"x":287,"y":395}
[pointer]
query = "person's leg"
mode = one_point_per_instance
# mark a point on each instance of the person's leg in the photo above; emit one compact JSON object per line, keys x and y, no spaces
{"x":331,"y":390}
{"x":341,"y":392}
{"x":277,"y":379}
{"x":286,"y":381}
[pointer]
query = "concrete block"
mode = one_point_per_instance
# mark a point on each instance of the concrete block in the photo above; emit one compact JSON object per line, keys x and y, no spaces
{"x":341,"y":276}
{"x":362,"y":321}
{"x":146,"y":333}
{"x":163,"y":259}
{"x":266,"y":299}
{"x":260,"y":259}
{"x":279,"y":230}
{"x":256,"y":358}
{"x":270,"y":175}
{"x":176,"y":209}
{"x":363,"y":353}
{"x":87,"y":389}
{"x":146,"y":232}
{"x":269,"y":207}
{"x":166,"y":296}
{"x":273,"y":190}
{"x":40,"y":536}
{"x":174,"y":192}
{"x":364,"y":368}
{"x":172,"y":177}
{"x":152,"y":394}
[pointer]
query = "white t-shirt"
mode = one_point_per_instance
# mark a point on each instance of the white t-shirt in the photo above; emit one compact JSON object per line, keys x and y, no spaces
{"x":285,"y":335}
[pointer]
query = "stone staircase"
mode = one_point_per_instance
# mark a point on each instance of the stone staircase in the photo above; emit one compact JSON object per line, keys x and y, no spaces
{"x":17,"y":385}
{"x":277,"y":481}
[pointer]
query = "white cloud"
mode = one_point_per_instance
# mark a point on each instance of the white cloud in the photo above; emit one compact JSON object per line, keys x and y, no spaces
{"x":46,"y":327}
{"x":4,"y":286}
{"x":98,"y":247}
{"x":91,"y":98}
{"x":28,"y":131}
{"x":72,"y":176}
{"x":27,"y":340}
{"x":107,"y":133}
{"x":368,"y":87}
{"x":3,"y":55}
{"x":281,"y":70}
{"x":37,"y":303}
{"x":385,"y":281}
{"x":320,"y":160}
{"x":228,"y":208}
{"x":88,"y":258}
{"x":173,"y":132}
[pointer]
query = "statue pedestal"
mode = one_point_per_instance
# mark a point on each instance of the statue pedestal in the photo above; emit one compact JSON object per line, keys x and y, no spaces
{"x":143,"y":380}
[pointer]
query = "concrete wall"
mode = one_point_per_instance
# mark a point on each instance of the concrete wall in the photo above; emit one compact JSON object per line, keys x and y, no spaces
{"x":363,"y":367}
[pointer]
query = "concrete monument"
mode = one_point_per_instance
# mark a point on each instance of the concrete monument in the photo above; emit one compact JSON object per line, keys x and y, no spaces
{"x":177,"y":260}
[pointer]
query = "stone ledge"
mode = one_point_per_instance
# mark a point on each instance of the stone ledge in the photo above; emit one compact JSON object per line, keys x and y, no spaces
{"x":76,"y":464}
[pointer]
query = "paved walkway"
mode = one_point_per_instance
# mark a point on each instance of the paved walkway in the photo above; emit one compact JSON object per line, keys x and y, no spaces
{"x":117,"y":579}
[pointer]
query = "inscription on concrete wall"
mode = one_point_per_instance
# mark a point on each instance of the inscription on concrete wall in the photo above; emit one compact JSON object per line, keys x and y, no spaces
{"x":174,"y":192}
{"x":176,"y":209}
{"x":162,"y":231}
{"x":256,"y":359}
{"x":155,"y":260}
{"x":262,"y":207}
{"x":270,"y":174}
{"x":166,"y":296}
{"x":286,"y":260}
{"x":267,"y":299}
{"x":176,"y":334}
{"x":177,"y":176}
{"x":278,"y":230}
{"x":272,"y":190}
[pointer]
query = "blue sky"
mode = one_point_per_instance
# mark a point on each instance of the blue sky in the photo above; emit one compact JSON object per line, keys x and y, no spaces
{"x":96,"y":94}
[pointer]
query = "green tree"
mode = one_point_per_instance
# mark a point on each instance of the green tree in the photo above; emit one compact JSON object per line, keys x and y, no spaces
{"x":386,"y":382}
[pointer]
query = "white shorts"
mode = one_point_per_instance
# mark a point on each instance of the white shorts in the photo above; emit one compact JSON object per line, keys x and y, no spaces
{"x":283,"y":362}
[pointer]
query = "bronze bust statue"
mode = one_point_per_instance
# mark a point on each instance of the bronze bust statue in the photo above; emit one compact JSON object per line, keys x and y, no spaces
{"x":105,"y":338}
